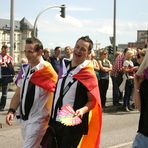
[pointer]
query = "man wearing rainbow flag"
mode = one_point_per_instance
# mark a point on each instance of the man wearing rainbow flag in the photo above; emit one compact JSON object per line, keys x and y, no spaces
{"x":33,"y":97}
{"x":78,"y":86}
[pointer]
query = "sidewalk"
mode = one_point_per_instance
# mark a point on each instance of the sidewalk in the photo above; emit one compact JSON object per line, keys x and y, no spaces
{"x":10,"y":136}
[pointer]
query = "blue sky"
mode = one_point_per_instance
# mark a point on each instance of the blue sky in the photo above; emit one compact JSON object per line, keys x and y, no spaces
{"x":93,"y":18}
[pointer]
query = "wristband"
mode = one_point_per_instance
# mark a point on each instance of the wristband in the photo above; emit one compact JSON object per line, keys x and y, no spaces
{"x":137,"y":90}
{"x":11,"y":110}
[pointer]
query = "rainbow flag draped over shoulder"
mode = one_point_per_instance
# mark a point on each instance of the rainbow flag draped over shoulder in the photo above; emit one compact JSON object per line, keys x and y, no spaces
{"x":86,"y":75}
{"x":45,"y":78}
{"x":88,"y":78}
{"x":21,"y":73}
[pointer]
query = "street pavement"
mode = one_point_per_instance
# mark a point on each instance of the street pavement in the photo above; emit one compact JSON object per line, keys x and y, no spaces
{"x":10,"y":136}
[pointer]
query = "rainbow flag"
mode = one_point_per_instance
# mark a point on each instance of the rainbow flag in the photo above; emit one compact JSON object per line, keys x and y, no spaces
{"x":86,"y":75}
{"x":21,"y":73}
{"x":45,"y":78}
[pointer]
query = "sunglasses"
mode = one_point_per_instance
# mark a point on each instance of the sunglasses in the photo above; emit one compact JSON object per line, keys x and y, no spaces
{"x":105,"y":53}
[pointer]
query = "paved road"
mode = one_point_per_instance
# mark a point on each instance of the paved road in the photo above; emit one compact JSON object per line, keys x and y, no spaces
{"x":119,"y":128}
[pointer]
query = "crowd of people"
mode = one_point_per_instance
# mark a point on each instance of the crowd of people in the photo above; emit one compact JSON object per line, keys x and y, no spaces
{"x":48,"y":82}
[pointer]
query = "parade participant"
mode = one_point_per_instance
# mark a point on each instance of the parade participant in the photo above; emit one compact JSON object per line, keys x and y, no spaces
{"x":33,"y":97}
{"x":6,"y":74}
{"x":83,"y":95}
{"x":141,"y":102}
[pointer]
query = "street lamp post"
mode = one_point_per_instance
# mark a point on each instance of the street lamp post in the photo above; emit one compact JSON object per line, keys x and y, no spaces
{"x":45,"y":9}
{"x":114,"y":28}
{"x":12,"y":28}
{"x":147,"y":38}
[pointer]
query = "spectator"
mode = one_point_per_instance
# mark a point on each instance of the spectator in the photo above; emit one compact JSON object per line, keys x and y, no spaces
{"x":46,"y":54}
{"x":68,"y":53}
{"x":105,"y":68}
{"x":56,"y":59}
{"x":140,"y":55}
{"x":33,"y":96}
{"x":96,"y":66}
{"x":116,"y":75}
{"x":127,"y":83}
{"x":6,"y":74}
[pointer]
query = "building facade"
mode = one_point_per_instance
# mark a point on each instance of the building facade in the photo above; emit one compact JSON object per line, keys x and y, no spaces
{"x":22,"y":30}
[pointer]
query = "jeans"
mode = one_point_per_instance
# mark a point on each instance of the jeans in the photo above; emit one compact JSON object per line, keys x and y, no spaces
{"x":140,"y":141}
{"x":4,"y":94}
{"x":128,"y":92}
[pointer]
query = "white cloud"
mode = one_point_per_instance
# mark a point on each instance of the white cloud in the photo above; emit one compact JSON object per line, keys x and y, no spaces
{"x":98,"y":29}
{"x":59,"y":24}
{"x":70,"y":20}
{"x":79,"y":9}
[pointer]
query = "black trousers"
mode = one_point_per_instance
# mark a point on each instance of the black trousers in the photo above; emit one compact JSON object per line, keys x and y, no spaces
{"x":65,"y":137}
{"x":103,"y":86}
{"x":4,"y":95}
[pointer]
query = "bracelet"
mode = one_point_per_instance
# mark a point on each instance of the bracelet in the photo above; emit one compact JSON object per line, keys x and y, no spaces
{"x":137,"y":90}
{"x":11,"y":110}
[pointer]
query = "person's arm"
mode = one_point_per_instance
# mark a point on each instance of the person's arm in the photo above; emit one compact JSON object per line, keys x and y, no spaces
{"x":104,"y":69}
{"x":110,"y":66}
{"x":89,"y":105}
{"x":126,"y":67}
{"x":136,"y":95}
{"x":13,"y":106}
{"x":96,"y":65}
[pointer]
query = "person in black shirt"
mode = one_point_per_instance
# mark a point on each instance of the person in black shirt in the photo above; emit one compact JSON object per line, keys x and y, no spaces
{"x":77,"y":85}
{"x":6,"y":74}
{"x":56,"y":60}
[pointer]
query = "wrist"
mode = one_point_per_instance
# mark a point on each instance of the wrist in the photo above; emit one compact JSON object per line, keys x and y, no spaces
{"x":11,"y":110}
{"x":137,"y":90}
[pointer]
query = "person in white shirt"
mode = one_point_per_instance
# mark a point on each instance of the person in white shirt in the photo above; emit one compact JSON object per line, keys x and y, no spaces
{"x":33,"y":97}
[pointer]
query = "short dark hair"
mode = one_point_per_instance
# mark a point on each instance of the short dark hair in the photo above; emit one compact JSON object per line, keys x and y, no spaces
{"x":57,"y":48}
{"x":87,"y":39}
{"x":5,"y":46}
{"x":38,"y":44}
{"x":125,"y":50}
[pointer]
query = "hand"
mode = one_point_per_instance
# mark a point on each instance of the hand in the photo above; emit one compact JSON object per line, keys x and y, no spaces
{"x":3,"y":64}
{"x":9,"y":118}
{"x":135,"y":68}
{"x":80,"y":112}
